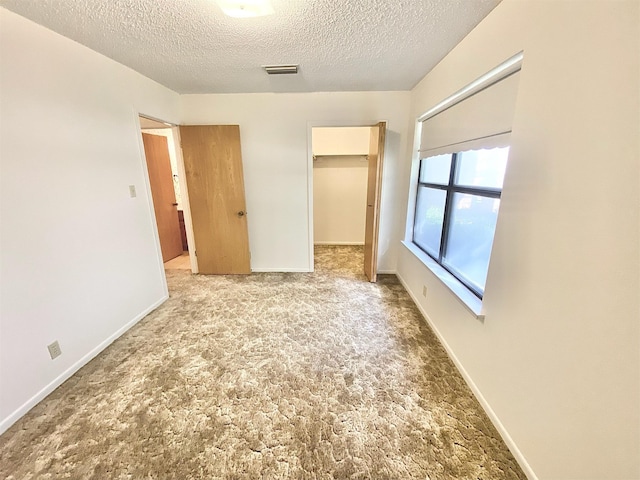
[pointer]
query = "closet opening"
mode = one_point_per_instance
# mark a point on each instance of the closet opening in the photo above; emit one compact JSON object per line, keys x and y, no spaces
{"x":347,"y":171}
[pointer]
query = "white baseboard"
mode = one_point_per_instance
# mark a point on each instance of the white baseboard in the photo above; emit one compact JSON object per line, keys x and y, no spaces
{"x":41,"y":395}
{"x":513,"y":447}
{"x":338,"y":243}
{"x":387,"y":272}
{"x":280,"y":270}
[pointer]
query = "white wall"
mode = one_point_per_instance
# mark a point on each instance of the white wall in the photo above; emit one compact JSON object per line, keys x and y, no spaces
{"x":80,"y":261}
{"x":339,"y":200}
{"x":557,"y":357}
{"x":275,"y":137}
{"x":341,"y":140}
{"x":340,"y":184}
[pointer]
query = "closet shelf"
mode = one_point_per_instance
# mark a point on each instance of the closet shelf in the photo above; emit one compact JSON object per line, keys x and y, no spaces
{"x":364,"y":156}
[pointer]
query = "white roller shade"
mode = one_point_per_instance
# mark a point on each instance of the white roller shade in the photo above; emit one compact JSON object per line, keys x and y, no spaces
{"x":482,"y":120}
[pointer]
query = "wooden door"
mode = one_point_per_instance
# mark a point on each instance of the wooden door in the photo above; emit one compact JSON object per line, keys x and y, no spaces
{"x":156,"y":151}
{"x":213,"y":166}
{"x":374,"y":185}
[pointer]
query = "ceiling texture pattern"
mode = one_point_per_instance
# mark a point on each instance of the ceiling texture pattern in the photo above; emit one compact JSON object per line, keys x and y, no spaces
{"x":190,"y":46}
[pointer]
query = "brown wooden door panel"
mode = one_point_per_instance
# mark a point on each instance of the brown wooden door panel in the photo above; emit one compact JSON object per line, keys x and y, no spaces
{"x":213,"y":167}
{"x":374,"y":186}
{"x":156,"y":151}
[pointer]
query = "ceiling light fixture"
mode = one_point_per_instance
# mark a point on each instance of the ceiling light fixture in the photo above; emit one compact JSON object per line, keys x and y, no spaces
{"x":280,"y":69}
{"x":246,"y":8}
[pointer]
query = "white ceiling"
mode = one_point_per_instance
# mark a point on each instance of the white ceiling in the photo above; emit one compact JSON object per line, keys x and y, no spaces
{"x":190,"y":46}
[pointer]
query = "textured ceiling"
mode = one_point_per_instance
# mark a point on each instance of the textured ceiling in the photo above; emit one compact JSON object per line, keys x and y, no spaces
{"x":190,"y":46}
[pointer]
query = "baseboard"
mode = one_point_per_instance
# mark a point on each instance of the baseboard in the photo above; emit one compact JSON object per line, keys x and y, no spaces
{"x":387,"y":272}
{"x":280,"y":270}
{"x":513,"y":447}
{"x":42,"y":394}
{"x":338,"y":243}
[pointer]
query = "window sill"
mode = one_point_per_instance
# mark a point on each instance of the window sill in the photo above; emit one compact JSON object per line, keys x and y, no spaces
{"x":472,"y":303}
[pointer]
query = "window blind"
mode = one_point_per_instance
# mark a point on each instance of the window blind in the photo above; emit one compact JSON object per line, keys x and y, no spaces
{"x":481,"y":120}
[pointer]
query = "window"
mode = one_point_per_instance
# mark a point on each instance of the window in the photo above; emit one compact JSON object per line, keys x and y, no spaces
{"x":456,"y":211}
{"x":464,"y":143}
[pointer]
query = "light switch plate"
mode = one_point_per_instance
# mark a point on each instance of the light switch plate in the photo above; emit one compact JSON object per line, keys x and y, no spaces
{"x":132,"y":191}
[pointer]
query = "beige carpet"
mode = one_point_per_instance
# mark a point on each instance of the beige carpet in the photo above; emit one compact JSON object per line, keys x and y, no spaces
{"x":302,"y":376}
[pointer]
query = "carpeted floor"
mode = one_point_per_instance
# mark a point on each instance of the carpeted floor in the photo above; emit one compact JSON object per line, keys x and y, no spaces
{"x":302,"y":376}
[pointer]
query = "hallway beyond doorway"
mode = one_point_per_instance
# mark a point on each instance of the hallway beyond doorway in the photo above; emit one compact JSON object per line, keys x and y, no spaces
{"x":181,"y":262}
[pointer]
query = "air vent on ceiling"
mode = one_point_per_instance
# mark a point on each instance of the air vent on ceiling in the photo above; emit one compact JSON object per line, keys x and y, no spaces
{"x":281,"y":69}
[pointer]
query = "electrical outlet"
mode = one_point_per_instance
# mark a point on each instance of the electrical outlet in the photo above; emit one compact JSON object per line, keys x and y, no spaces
{"x":54,"y":350}
{"x":424,"y":290}
{"x":132,"y":191}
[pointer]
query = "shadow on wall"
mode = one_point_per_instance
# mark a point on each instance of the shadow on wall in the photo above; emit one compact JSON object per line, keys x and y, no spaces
{"x":391,"y":224}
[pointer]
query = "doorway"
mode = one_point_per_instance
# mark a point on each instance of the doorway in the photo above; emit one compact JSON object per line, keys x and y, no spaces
{"x":167,"y":192}
{"x":346,"y":181}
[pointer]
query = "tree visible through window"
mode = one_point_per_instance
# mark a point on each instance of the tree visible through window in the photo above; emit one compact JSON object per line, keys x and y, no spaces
{"x":457,"y":209}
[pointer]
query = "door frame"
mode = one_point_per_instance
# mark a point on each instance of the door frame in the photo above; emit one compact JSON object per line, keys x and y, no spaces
{"x":334,"y":124}
{"x":186,"y":208}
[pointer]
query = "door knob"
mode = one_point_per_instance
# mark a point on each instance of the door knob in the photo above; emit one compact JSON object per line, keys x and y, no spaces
{"x":174,"y":204}
{"x":241,"y":213}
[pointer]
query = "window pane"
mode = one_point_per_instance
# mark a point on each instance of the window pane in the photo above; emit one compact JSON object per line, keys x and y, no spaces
{"x":436,"y":169}
{"x":427,"y":228}
{"x":473,"y":224}
{"x":482,"y":168}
